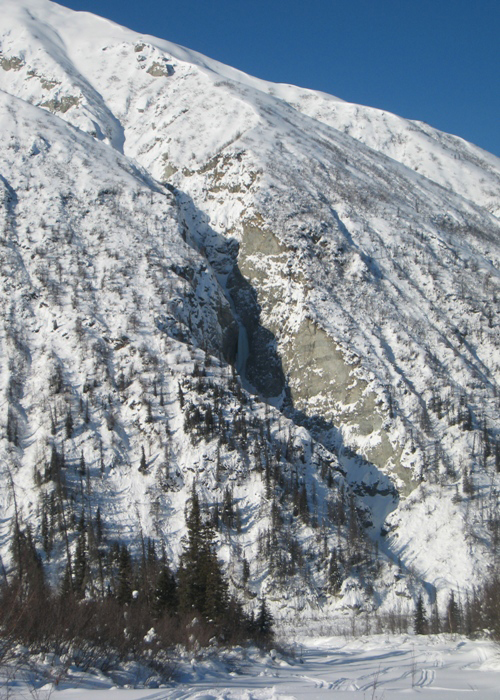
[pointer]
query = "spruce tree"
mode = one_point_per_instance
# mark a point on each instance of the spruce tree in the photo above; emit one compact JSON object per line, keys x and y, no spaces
{"x":69,"y":424}
{"x":143,"y":467}
{"x":435,"y":622}
{"x":227,"y":508}
{"x":82,"y":466}
{"x":124,"y":583}
{"x":66,"y":587}
{"x":202,"y":586}
{"x":452,"y":615}
{"x":420,"y":617}
{"x":334,"y":574}
{"x":191,"y":592}
{"x":216,"y":590}
{"x":264,"y":623}
{"x":303,"y":505}
{"x":165,"y":599}
{"x":467,"y":483}
{"x":45,"y":532}
{"x":98,"y":526}
{"x":245,"y":571}
{"x":80,"y":566}
{"x":29,"y":576}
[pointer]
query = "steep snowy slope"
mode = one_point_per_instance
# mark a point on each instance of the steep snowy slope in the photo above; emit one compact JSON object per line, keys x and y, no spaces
{"x":69,"y":71}
{"x":110,"y":404}
{"x":344,"y":259}
{"x":446,"y":159}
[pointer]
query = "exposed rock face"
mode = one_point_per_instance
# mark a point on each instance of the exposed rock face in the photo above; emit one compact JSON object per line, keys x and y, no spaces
{"x":322,"y":382}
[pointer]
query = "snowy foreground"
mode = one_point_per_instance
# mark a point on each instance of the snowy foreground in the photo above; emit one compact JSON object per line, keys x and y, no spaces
{"x":374,"y":667}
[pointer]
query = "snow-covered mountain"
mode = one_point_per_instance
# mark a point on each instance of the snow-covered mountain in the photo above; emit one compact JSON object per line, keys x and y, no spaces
{"x":288,"y":300}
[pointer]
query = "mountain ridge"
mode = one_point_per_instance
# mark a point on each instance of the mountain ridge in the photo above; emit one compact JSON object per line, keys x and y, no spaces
{"x":348,"y":268}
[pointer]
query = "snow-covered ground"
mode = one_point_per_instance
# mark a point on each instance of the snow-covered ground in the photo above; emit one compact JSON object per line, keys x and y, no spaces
{"x":371,"y":667}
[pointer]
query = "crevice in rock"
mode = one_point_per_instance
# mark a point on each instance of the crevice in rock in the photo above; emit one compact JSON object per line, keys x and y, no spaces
{"x":253,"y":350}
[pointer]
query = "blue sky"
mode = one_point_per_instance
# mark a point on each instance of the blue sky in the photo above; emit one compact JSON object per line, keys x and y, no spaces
{"x":433,"y":60}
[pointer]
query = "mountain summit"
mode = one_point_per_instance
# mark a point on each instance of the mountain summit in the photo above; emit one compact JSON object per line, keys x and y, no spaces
{"x":261,"y":294}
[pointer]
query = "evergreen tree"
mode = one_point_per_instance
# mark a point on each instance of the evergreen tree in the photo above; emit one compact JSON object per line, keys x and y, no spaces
{"x":148,"y":573}
{"x":143,"y":467}
{"x":264,"y":623}
{"x":165,"y":599}
{"x":218,"y":465}
{"x":354,"y":528}
{"x":202,"y":586}
{"x":12,"y":430}
{"x":191,"y":588}
{"x":489,"y":616}
{"x":216,"y":589}
{"x":54,"y":467}
{"x":334,"y":574}
{"x":80,"y":567}
{"x":45,"y":531}
{"x":124,"y":583}
{"x":420,"y":617}
{"x":66,"y":588}
{"x":29,"y":577}
{"x":69,"y":425}
{"x":82,"y":466}
{"x":435,"y":622}
{"x":467,"y":484}
{"x":452,"y":615}
{"x":98,"y":526}
{"x":341,"y":508}
{"x":303,"y":505}
{"x":227,"y":508}
{"x":245,"y":571}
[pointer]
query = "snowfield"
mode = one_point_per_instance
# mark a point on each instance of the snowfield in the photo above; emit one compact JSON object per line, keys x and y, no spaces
{"x":368,"y":668}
